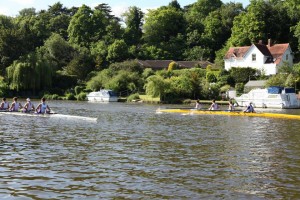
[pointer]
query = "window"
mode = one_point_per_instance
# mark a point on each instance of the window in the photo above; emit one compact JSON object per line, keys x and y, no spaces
{"x":287,"y":57}
{"x":253,"y":57}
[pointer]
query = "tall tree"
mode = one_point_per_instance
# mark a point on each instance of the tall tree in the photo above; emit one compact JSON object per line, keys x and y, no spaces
{"x":164,"y":28}
{"x":133,"y":19}
{"x":80,"y":29}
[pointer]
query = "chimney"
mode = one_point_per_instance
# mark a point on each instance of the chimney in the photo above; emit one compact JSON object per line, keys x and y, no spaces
{"x":269,"y":43}
{"x":260,"y":42}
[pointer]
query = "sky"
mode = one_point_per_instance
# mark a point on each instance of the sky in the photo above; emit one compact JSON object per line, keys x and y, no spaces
{"x":12,"y":7}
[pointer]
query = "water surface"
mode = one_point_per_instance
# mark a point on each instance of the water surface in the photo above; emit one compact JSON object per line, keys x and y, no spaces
{"x":133,"y":153}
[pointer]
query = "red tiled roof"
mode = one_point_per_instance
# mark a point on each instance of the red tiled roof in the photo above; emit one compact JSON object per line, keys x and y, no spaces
{"x":275,"y":52}
{"x":278,"y":50}
{"x":237,"y":52}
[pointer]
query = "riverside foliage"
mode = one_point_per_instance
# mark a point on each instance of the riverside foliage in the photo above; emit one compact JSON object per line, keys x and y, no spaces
{"x":52,"y":51}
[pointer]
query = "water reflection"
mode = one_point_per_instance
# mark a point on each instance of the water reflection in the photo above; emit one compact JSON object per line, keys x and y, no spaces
{"x":131,"y":152}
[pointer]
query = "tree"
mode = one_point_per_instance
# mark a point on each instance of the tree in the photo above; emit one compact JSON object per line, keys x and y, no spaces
{"x":118,"y":51}
{"x":81,"y":64}
{"x":242,"y":75}
{"x":59,"y":50}
{"x":156,"y":86}
{"x":198,"y":12}
{"x":20,"y":74}
{"x":133,"y":19}
{"x":164,"y":28}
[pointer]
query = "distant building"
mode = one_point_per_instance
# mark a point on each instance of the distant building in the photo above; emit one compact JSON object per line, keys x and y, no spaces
{"x":266,"y":58}
{"x":164,"y":64}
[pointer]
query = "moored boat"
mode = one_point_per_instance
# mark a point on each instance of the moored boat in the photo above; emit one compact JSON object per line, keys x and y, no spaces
{"x":230,"y":113}
{"x":103,"y":96}
{"x":272,"y":97}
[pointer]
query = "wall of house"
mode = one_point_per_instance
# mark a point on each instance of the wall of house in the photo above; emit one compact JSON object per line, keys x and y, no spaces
{"x":267,"y":69}
{"x":247,"y":60}
{"x":289,"y":61}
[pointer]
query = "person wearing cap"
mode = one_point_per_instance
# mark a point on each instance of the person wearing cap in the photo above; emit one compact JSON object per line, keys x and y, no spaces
{"x":15,"y":106}
{"x":4,"y":104}
{"x":43,"y":107}
{"x":28,"y":107}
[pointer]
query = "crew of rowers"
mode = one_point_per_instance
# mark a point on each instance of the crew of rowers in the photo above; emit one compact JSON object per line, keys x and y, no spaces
{"x":231,"y":107}
{"x":27,"y":108}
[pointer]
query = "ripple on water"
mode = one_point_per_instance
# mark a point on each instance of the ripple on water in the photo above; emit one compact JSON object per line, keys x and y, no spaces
{"x":131,"y":152}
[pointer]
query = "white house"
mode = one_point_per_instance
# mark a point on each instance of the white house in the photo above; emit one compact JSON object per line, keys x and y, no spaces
{"x":266,"y":58}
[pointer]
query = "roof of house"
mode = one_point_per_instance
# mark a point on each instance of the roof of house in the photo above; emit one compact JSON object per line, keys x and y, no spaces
{"x":237,"y":52}
{"x":192,"y":64}
{"x":278,"y":50}
{"x":155,"y":64}
{"x":273,"y":52}
{"x":256,"y":83}
{"x":163,"y":64}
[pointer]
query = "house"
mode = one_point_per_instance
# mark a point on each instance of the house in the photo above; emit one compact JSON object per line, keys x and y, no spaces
{"x":164,"y":64}
{"x":265,"y":58}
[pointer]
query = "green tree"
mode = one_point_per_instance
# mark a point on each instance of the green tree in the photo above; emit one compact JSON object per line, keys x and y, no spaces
{"x":242,"y":75}
{"x":164,"y":28}
{"x":118,"y":51}
{"x":58,"y":50}
{"x":20,"y":74}
{"x":133,"y":19}
{"x":81,"y":28}
{"x":81,"y":64}
{"x":156,"y":86}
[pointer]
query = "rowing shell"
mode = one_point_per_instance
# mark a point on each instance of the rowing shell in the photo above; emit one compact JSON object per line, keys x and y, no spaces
{"x":232,"y":113}
{"x":50,"y":115}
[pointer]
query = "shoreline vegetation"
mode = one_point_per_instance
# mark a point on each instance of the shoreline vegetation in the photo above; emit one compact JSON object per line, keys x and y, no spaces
{"x":65,"y":53}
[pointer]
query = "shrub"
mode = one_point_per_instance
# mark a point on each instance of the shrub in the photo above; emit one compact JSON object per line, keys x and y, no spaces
{"x":81,"y":96}
{"x":55,"y":96}
{"x":133,"y":97}
{"x":70,"y":96}
{"x":78,"y":89}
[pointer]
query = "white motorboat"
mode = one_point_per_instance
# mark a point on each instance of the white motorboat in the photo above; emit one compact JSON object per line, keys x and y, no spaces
{"x":103,"y":96}
{"x":272,"y":97}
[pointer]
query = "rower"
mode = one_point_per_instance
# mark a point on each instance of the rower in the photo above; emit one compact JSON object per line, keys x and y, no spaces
{"x":43,"y":107}
{"x":28,"y":107}
{"x":214,"y":105}
{"x":230,"y":106}
{"x":15,"y":106}
{"x":198,"y":105}
{"x":250,"y":108}
{"x":4,"y":104}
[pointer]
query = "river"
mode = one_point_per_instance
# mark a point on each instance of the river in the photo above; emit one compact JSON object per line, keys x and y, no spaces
{"x":131,"y":152}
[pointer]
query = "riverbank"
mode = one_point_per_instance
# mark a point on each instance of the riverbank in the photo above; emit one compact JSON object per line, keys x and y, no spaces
{"x":149,"y":99}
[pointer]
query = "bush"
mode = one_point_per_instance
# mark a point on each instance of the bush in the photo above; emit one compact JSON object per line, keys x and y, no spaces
{"x":239,"y":87}
{"x":70,"y":96}
{"x":133,"y":97}
{"x":55,"y":96}
{"x":81,"y":96}
{"x":78,"y":89}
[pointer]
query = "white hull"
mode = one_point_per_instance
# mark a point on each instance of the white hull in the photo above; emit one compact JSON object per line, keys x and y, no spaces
{"x":102,"y":99}
{"x":260,"y":98}
{"x":102,"y":96}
